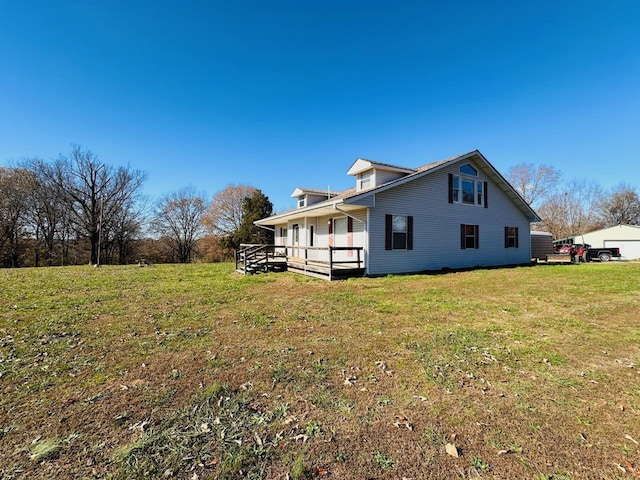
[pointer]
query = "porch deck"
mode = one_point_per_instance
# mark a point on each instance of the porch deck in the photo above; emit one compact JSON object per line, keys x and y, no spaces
{"x":329,"y":263}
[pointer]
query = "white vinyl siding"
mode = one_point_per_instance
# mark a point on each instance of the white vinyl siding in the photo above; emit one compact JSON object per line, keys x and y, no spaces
{"x":436,"y":227}
{"x":321,"y":227}
{"x":383,"y":177}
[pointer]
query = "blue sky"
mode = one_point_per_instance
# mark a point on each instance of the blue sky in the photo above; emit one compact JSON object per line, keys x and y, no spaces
{"x":284,"y":94}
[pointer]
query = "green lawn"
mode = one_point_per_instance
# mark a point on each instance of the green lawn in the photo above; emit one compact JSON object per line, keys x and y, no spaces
{"x":194,"y":371}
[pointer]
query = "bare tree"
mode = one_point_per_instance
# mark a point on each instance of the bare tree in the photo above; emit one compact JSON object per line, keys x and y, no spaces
{"x":15,"y":186}
{"x":178,"y":217}
{"x":534,"y":183}
{"x":621,"y":207}
{"x":46,"y":210}
{"x":224,"y":216}
{"x":572,"y":212}
{"x":95,"y":192}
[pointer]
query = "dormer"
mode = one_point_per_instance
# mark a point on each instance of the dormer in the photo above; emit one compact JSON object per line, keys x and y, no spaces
{"x":308,"y":196}
{"x":370,"y":174}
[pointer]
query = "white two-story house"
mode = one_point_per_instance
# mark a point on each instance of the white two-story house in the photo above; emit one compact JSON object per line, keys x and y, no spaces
{"x":456,"y":213}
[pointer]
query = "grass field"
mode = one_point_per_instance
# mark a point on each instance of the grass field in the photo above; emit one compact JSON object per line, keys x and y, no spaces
{"x":195,"y":372}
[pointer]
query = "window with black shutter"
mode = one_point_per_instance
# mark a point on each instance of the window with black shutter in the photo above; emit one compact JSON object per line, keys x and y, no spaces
{"x":469,"y":236}
{"x":398,"y":232}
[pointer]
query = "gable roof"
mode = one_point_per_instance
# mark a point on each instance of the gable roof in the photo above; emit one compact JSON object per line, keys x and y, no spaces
{"x":352,"y":197}
{"x":299,"y":192}
{"x":362,"y":165}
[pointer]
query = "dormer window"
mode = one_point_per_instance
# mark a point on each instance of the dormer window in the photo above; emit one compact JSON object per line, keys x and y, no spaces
{"x":365,"y":180}
{"x":370,"y":174}
{"x":302,"y":202}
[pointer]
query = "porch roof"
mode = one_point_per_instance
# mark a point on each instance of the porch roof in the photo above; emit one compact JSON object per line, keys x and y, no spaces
{"x":327,"y":208}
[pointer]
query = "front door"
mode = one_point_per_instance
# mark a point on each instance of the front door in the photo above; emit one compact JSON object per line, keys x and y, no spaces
{"x":340,"y":237}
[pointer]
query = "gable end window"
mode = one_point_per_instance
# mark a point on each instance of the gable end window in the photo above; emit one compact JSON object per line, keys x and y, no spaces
{"x":510,"y":237}
{"x":469,"y":236}
{"x":465,"y":189}
{"x":398,"y":232}
{"x":467,"y":169}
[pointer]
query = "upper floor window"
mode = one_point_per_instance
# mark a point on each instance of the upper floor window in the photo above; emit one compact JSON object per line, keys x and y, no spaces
{"x":302,"y":202}
{"x":466,"y":189}
{"x":467,"y":169}
{"x":365,"y":180}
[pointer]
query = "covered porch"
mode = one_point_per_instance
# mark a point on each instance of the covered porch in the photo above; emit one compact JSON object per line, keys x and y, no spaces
{"x":329,"y":263}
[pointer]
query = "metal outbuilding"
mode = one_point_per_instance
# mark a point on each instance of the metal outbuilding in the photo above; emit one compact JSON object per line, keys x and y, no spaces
{"x":625,"y":237}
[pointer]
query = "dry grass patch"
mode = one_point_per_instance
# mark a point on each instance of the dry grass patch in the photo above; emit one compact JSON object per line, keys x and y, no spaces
{"x":176,"y":371}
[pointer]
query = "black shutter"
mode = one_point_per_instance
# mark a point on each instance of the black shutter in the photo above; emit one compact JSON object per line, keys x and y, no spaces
{"x":451,"y":188}
{"x":410,"y":233}
{"x":388,"y":232}
{"x":331,"y":226}
{"x":349,"y":225}
{"x":477,"y":235}
{"x":506,"y":237}
{"x":486,"y":194}
{"x":517,"y":237}
{"x":463,"y":244}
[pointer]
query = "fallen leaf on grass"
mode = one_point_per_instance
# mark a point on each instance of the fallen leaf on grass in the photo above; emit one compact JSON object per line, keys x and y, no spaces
{"x":402,"y":421}
{"x":301,"y":436}
{"x":452,"y":450}
{"x":383,"y":366}
{"x":620,"y":467}
{"x":322,"y":472}
{"x":350,"y":380}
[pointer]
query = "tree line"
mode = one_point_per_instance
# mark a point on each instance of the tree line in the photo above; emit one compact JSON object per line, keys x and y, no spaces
{"x":78,"y":209}
{"x":574,"y":206}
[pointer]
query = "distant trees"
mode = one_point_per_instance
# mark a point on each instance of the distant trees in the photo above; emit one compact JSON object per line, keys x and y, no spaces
{"x":568,"y":208}
{"x":254,"y":208}
{"x":621,"y":207}
{"x":572,"y":211}
{"x":178,"y":218}
{"x":232,"y":213}
{"x":101,"y":198}
{"x":224,"y":215}
{"x":79,"y":209}
{"x":49,"y":220}
{"x":74,"y":209}
{"x":534,"y":183}
{"x":15,"y":187}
